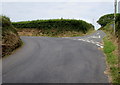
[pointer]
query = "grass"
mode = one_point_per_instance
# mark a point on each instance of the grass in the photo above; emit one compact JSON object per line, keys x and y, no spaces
{"x":37,"y":32}
{"x":111,"y":51}
{"x":15,"y":50}
{"x":109,"y":47}
{"x":112,"y":54}
{"x":10,"y":39}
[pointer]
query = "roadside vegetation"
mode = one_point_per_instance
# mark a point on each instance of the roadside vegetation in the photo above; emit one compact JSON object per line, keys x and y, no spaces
{"x":10,"y":38}
{"x":111,"y":46}
{"x":104,"y":20}
{"x":54,"y":27}
{"x":0,"y":38}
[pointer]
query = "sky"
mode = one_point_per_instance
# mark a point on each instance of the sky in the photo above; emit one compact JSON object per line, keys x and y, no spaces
{"x":87,"y":10}
{"x":119,"y":7}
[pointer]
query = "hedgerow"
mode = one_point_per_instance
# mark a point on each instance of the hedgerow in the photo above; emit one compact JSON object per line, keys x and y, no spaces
{"x":109,"y":19}
{"x":111,"y":47}
{"x":106,"y":19}
{"x":118,"y":25}
{"x":10,"y":38}
{"x":56,"y":24}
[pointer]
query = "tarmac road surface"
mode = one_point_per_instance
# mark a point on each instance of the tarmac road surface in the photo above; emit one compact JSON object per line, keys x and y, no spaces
{"x":57,"y":60}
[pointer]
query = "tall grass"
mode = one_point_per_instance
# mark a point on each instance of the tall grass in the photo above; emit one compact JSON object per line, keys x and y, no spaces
{"x":112,"y":60}
{"x":10,"y":38}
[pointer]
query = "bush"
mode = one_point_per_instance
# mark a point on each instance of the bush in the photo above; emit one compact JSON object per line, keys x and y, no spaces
{"x":118,"y":25}
{"x":10,"y":38}
{"x":107,"y":23}
{"x":104,"y":20}
{"x":110,"y":46}
{"x":6,"y":25}
{"x":56,"y":24}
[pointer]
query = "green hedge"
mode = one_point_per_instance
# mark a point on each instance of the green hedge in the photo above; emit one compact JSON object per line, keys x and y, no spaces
{"x":104,"y":20}
{"x":118,"y":25}
{"x":6,"y":25}
{"x":56,"y":24}
{"x":107,"y":22}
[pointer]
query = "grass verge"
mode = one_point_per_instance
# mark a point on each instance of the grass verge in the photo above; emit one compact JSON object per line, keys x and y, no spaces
{"x":37,"y":32}
{"x":111,"y":51}
{"x":15,"y":50}
{"x":10,"y":39}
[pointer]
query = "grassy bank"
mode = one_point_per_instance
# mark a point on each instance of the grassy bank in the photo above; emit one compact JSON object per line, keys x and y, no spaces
{"x":10,"y":38}
{"x":111,"y":46}
{"x":54,"y":27}
{"x":111,"y":52}
{"x":37,"y":32}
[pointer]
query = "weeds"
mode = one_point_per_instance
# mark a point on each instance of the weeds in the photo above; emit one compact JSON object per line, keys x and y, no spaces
{"x":112,"y":59}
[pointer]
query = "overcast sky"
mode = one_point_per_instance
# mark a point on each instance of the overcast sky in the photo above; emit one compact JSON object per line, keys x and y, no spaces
{"x":54,"y":9}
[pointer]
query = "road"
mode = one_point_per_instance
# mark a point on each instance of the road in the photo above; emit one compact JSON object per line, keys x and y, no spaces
{"x":57,"y":60}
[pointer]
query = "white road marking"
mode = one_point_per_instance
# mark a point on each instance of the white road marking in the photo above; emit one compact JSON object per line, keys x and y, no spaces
{"x":101,"y":46}
{"x":89,"y":41}
{"x":94,"y":36}
{"x":79,"y":39}
{"x":97,"y":33}
{"x":99,"y":36}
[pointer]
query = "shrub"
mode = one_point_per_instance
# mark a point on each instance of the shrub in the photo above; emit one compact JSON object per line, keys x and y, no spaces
{"x":10,"y":38}
{"x":56,"y":24}
{"x":104,"y":20}
{"x":118,"y":25}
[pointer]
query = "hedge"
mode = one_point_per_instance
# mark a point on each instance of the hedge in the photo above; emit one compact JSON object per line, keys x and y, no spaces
{"x":57,"y":24}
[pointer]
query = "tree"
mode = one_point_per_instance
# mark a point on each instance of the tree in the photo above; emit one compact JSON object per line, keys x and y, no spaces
{"x":104,"y":20}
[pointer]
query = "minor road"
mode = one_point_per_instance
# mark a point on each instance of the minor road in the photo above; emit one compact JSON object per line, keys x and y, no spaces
{"x":57,"y":60}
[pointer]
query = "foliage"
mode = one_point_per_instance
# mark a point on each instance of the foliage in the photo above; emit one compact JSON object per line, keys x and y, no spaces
{"x":56,"y":25}
{"x":109,"y":27}
{"x":10,"y":38}
{"x":112,"y":60}
{"x":109,"y":47}
{"x":111,"y":44}
{"x":104,"y":20}
{"x":6,"y":25}
{"x":118,"y":25}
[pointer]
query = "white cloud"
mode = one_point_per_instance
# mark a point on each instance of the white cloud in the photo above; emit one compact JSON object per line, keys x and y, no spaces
{"x":50,"y":10}
{"x":0,"y":8}
{"x":57,"y":0}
